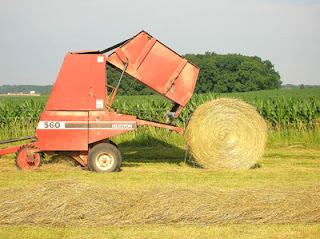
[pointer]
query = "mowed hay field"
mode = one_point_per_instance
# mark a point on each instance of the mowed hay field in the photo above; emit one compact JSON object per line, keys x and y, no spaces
{"x":161,"y":193}
{"x":157,"y":195}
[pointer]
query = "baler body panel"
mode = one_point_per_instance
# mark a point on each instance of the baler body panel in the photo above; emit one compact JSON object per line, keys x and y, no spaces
{"x":63,"y":131}
{"x":157,"y":67}
{"x":77,"y":117}
{"x":75,"y":130}
{"x":103,"y":125}
{"x":76,"y":114}
{"x":80,"y":85}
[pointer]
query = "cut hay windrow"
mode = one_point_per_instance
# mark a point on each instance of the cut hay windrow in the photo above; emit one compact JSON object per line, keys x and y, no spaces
{"x":77,"y":203}
{"x":226,"y":134}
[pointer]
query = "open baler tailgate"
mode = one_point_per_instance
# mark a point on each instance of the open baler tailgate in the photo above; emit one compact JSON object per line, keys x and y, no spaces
{"x":156,"y":67}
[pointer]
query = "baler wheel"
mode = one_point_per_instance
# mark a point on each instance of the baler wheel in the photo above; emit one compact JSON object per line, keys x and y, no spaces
{"x":27,"y":157}
{"x":104,"y":158}
{"x":113,"y":143}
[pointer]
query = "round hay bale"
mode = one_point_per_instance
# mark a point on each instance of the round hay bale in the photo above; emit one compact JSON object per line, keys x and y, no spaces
{"x":226,"y":134}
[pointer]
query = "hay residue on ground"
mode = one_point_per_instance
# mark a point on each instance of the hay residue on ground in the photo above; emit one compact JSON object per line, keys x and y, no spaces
{"x":226,"y":134}
{"x":74,"y":203}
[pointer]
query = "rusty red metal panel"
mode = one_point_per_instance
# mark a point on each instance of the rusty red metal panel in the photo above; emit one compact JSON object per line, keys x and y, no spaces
{"x":175,"y":75}
{"x":14,"y":149}
{"x":63,"y":131}
{"x":80,"y":156}
{"x":160,"y":125}
{"x":183,"y":86}
{"x":157,"y":67}
{"x":80,"y":84}
{"x":121,"y":55}
{"x":145,"y":52}
{"x":10,"y":150}
{"x":103,"y":125}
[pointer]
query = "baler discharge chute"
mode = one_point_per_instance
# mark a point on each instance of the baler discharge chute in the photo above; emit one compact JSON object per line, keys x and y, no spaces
{"x":157,"y":67}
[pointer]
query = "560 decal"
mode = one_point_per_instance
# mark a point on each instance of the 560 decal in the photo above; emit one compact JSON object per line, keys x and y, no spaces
{"x":51,"y":125}
{"x":111,"y":125}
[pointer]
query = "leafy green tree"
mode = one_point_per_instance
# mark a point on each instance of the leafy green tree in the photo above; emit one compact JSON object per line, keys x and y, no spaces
{"x":218,"y":73}
{"x":234,"y":73}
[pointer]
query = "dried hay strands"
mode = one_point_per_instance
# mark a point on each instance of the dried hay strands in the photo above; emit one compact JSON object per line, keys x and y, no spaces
{"x":65,"y":203}
{"x":226,"y":134}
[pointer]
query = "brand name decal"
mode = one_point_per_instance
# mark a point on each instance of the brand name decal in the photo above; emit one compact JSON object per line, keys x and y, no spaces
{"x":85,"y":125}
{"x":122,"y":126}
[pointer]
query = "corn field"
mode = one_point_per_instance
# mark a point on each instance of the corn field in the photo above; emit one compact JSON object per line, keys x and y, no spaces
{"x":278,"y":107}
{"x":281,"y":108}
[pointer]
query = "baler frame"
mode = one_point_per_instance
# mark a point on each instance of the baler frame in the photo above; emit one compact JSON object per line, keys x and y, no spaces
{"x":79,"y":120}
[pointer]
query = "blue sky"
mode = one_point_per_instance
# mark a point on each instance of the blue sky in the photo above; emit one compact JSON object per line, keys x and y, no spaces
{"x":36,"y":35}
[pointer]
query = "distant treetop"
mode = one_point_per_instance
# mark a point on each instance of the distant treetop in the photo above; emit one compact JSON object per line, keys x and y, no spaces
{"x":233,"y":73}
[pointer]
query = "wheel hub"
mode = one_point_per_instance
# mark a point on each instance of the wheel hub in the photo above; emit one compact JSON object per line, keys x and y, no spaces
{"x":104,"y":161}
{"x":30,"y":158}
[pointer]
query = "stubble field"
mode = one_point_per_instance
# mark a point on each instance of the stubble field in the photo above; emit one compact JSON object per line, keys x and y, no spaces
{"x":160,"y":192}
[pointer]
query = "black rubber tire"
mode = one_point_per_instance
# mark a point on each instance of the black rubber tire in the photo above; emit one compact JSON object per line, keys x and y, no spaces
{"x":113,"y":143}
{"x":104,"y":158}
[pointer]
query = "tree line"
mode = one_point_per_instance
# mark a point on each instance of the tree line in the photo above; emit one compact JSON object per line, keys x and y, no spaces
{"x":218,"y":73}
{"x":25,"y":89}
